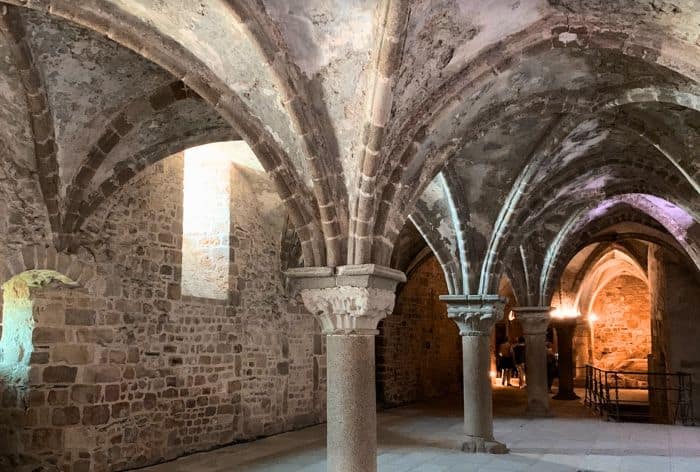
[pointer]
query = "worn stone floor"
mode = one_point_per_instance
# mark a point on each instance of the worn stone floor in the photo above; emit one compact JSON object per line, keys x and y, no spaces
{"x":426,"y":438}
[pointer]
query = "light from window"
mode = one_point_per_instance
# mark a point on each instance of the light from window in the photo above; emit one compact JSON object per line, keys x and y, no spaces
{"x":206,"y":223}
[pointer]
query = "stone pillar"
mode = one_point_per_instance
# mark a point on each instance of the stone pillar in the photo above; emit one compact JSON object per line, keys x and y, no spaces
{"x":349,"y":302}
{"x":534,"y":321}
{"x":476,"y":315}
{"x":658,"y":399}
{"x":565,"y":336}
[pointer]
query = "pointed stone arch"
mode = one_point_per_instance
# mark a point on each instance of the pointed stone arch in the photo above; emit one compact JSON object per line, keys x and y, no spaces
{"x":47,"y":258}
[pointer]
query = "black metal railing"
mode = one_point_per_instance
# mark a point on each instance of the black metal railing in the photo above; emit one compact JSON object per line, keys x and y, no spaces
{"x":655,"y":397}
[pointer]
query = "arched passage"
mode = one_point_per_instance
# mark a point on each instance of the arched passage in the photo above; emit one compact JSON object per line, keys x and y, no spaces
{"x":607,"y":286}
{"x":620,"y":324}
{"x":628,"y":321}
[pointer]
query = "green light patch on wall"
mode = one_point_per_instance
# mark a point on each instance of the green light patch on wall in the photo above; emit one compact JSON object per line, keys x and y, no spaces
{"x":18,"y":322}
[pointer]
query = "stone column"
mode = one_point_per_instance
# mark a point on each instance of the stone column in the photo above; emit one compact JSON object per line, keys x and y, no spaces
{"x":349,"y":302}
{"x":658,"y":288}
{"x":475,"y":316}
{"x":534,"y":320}
{"x":565,"y":336}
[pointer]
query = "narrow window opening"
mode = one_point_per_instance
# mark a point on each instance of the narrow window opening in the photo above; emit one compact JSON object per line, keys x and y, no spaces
{"x":206,"y":224}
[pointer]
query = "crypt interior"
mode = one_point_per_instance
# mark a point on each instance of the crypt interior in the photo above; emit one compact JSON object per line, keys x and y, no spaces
{"x":349,"y":235}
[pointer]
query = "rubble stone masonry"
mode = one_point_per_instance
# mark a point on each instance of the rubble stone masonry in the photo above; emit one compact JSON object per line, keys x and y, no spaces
{"x":419,"y":353}
{"x":622,"y":332}
{"x":129,"y":372}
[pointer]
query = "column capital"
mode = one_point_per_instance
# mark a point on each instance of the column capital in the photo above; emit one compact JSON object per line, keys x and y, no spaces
{"x":474,"y":314}
{"x":533,"y":319}
{"x":349,"y":299}
{"x":564,"y":323}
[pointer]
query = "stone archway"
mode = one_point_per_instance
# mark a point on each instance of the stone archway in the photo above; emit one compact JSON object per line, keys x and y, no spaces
{"x":621,"y":333}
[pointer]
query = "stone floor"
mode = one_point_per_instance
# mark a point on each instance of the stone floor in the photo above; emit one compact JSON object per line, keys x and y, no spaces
{"x":426,"y":438}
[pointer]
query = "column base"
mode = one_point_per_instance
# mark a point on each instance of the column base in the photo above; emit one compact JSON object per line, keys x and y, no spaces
{"x":473,"y":445}
{"x":566,"y":396}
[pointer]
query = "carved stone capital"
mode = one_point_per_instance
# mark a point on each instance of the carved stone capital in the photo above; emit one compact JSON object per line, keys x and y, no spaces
{"x":475,"y":315}
{"x":533,"y":319}
{"x":348,"y":310}
{"x":348,"y":299}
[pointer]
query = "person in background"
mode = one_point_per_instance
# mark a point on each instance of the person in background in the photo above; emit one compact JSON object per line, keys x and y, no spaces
{"x":551,"y":366}
{"x":505,"y":362}
{"x":519,"y":358}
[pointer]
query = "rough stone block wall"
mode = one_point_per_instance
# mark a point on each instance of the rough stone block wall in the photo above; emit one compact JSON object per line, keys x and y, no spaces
{"x":582,"y":351}
{"x":419,"y":350}
{"x":680,"y":324}
{"x":134,"y":373}
{"x":622,"y":332}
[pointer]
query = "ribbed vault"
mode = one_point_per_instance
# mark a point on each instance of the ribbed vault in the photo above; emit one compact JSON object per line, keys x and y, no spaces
{"x":521,"y":114}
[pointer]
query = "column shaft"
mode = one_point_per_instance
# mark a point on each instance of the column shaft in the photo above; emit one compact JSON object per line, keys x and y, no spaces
{"x":476,"y":315}
{"x":536,"y":368}
{"x":352,"y":409}
{"x":534,"y":321}
{"x":349,"y":301}
{"x":565,"y":336}
{"x":478,"y":401}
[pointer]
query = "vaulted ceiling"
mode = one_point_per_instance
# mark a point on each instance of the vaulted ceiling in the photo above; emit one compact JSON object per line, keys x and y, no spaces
{"x":507,"y":134}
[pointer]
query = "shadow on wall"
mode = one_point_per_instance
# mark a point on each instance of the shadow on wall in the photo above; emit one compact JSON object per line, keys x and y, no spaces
{"x":419,"y":350}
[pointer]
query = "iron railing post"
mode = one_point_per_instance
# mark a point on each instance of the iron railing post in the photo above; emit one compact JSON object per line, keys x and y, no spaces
{"x":617,"y":398}
{"x":585,"y":398}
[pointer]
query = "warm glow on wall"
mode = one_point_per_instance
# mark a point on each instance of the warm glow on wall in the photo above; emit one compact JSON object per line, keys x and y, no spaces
{"x":565,"y":312}
{"x":592,"y":318}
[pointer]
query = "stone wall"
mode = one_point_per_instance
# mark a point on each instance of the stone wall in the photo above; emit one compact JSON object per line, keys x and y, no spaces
{"x":680,"y":329}
{"x":582,"y":351}
{"x":419,"y":351}
{"x":131,"y":372}
{"x":622,"y":333}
